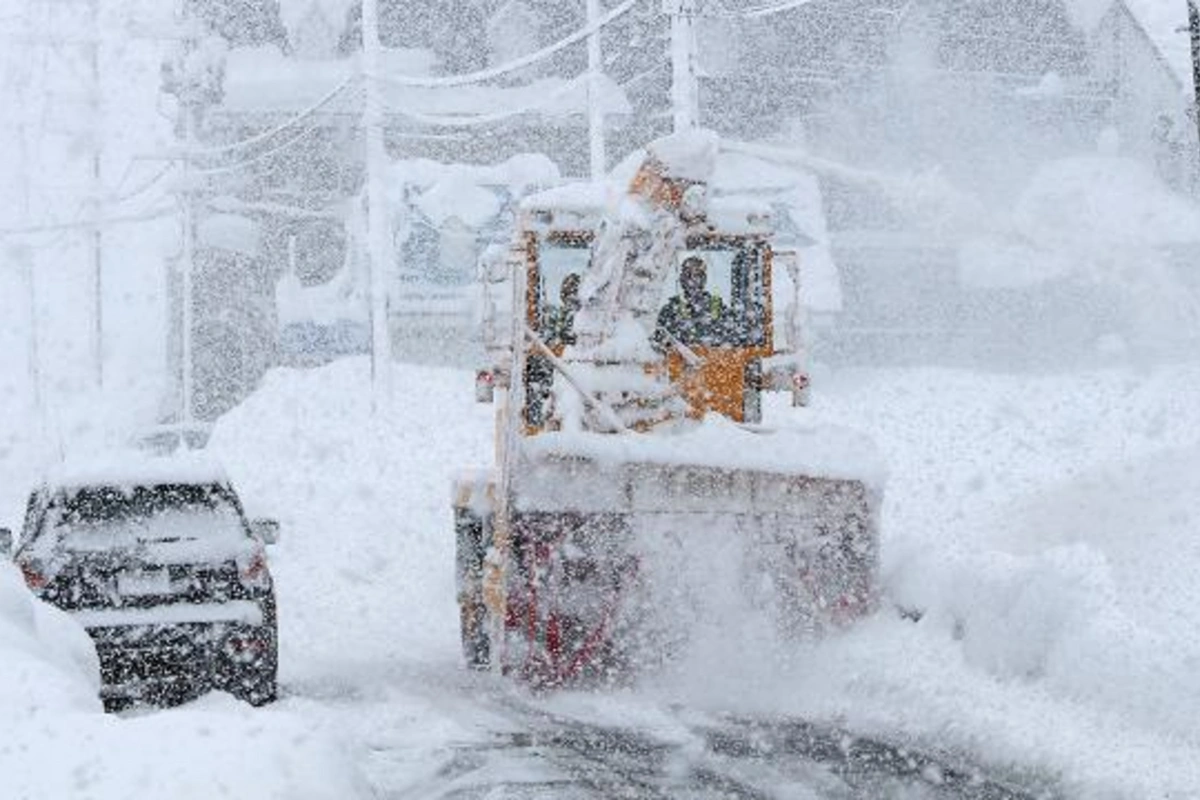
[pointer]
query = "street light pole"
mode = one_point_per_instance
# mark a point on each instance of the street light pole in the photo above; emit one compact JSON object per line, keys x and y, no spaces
{"x":378,"y":240}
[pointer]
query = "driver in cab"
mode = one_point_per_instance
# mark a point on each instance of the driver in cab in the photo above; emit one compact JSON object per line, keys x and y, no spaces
{"x":695,"y":316}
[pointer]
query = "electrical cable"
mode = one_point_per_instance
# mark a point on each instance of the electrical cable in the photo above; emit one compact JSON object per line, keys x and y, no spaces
{"x":451,"y":120}
{"x":254,"y":158}
{"x":8,"y":233}
{"x":662,"y":62}
{"x":297,"y":119}
{"x":516,"y":64}
{"x":770,"y":10}
{"x":141,"y":188}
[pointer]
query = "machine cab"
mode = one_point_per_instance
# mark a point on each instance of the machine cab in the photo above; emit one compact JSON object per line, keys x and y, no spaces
{"x":716,"y":362}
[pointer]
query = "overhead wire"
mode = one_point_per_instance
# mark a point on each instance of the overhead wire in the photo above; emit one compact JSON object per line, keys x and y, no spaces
{"x":223,"y":168}
{"x":499,"y":70}
{"x":420,"y":82}
{"x":662,"y":62}
{"x":755,"y":12}
{"x":454,"y":120}
{"x":290,"y":123}
{"x":141,"y":188}
{"x":55,"y":227}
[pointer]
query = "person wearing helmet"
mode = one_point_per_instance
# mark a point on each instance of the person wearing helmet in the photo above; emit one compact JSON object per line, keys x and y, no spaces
{"x":695,"y":316}
{"x":560,"y":319}
{"x":557,"y":330}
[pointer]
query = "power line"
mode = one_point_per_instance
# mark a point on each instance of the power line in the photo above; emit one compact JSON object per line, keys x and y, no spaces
{"x":768,"y":11}
{"x":8,"y":233}
{"x":516,"y":64}
{"x":450,"y":120}
{"x":662,"y":62}
{"x":296,"y":120}
{"x":145,"y":186}
{"x":254,"y":159}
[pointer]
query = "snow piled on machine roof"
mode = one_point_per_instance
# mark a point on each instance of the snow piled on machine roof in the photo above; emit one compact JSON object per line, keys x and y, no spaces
{"x":812,"y":450}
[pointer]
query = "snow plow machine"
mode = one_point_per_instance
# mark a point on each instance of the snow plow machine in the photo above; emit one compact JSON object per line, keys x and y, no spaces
{"x":634,"y":490}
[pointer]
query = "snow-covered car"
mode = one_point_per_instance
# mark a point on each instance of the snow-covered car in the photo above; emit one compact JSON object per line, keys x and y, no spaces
{"x":158,"y":562}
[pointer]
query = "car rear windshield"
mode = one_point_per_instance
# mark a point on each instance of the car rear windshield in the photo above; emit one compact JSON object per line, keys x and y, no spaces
{"x":96,"y":516}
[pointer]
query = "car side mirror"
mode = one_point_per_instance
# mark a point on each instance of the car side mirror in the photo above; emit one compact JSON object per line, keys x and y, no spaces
{"x":6,"y":542}
{"x":266,"y":530}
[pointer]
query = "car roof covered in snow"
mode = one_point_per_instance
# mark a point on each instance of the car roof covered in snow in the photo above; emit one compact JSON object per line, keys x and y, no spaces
{"x":129,"y":468}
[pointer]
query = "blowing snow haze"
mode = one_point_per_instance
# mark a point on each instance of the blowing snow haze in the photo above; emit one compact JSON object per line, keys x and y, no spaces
{"x":228,"y":222}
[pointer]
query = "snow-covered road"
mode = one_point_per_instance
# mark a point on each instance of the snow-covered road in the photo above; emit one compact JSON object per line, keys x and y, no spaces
{"x":503,"y":742}
{"x":1043,"y":524}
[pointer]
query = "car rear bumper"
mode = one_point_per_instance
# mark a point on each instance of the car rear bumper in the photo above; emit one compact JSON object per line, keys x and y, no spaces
{"x":243,"y":612}
{"x":169,"y":663}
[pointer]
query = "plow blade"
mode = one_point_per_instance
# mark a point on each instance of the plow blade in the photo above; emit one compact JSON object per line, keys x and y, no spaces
{"x":607,"y":566}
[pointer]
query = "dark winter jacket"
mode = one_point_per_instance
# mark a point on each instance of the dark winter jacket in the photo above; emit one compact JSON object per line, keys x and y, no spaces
{"x":701,"y":324}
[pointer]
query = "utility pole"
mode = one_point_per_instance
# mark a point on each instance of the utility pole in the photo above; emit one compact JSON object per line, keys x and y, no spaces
{"x":187,"y":264}
{"x":21,"y":254}
{"x":1194,"y":29}
{"x":72,"y":30}
{"x":195,"y":81}
{"x":596,"y":142}
{"x":685,"y":92}
{"x":379,"y":242}
{"x":97,"y":192}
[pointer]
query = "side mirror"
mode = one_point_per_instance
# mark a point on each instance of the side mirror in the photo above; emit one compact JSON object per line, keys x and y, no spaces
{"x":6,"y":542}
{"x":266,"y":530}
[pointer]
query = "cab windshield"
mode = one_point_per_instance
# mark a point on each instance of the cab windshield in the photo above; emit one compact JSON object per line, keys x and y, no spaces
{"x":732,"y":297}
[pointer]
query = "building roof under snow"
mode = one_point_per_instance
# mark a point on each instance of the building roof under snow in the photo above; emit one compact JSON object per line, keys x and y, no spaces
{"x":1165,"y":22}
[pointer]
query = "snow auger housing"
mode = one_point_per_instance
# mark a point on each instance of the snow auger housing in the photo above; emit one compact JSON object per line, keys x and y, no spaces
{"x":630,"y":471}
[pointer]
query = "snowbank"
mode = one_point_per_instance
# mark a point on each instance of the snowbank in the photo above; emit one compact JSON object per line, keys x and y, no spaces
{"x":1046,"y":528}
{"x":49,"y":664}
{"x":364,"y":568}
{"x":55,"y":740}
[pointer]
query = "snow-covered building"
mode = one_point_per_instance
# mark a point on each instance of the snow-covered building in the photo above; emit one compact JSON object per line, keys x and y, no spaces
{"x":1141,"y":55}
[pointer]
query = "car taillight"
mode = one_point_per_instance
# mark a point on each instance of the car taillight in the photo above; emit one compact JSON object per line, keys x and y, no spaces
{"x":32,"y":573}
{"x":243,"y":648}
{"x":255,"y":572}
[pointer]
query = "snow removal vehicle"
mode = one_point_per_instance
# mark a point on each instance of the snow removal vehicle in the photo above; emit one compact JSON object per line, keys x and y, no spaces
{"x":633,"y":484}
